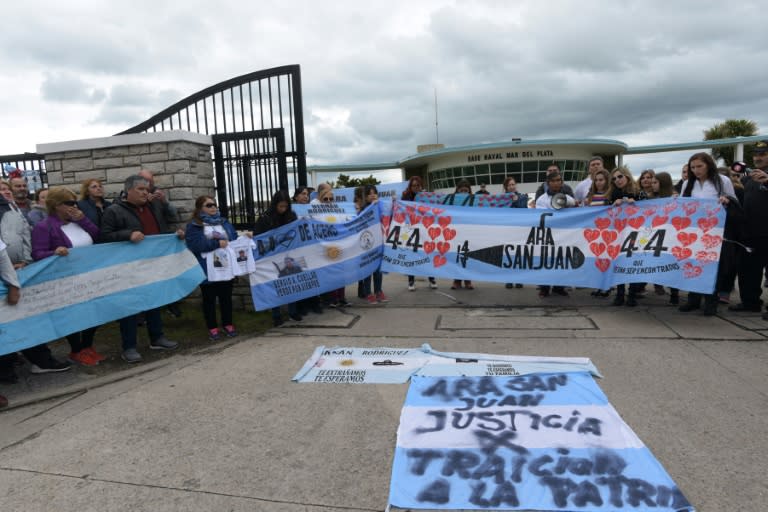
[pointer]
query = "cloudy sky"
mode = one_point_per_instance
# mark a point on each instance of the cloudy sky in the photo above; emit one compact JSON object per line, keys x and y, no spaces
{"x":643,"y":72}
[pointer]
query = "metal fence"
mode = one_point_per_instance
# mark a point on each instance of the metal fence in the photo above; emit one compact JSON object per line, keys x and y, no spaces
{"x":31,"y":165}
{"x":257,"y":124}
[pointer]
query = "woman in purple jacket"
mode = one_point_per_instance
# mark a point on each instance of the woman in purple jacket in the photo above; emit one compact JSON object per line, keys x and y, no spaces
{"x":64,"y":228}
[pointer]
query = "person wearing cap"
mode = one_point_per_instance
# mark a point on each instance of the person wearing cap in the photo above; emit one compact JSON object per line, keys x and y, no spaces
{"x":755,"y":232}
{"x":552,"y":169}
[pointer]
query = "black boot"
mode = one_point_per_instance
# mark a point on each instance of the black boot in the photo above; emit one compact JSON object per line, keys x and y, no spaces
{"x":694,"y":302}
{"x":618,"y":300}
{"x":710,"y":305}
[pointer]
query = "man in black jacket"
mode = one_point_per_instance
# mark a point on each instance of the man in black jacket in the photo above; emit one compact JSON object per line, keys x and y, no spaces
{"x":131,"y":219}
{"x":755,"y":231}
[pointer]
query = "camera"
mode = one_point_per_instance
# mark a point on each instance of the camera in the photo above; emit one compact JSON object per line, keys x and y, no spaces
{"x":741,"y":168}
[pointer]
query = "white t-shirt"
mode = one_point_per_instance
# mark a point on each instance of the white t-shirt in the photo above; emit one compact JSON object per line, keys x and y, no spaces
{"x":77,"y":235}
{"x":708,"y":189}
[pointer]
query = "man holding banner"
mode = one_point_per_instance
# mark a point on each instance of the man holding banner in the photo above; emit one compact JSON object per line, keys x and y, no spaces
{"x":132,"y":219}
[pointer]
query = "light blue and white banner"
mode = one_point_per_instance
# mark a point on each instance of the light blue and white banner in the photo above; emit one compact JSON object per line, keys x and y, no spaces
{"x":308,"y":257}
{"x":672,"y":242}
{"x":388,"y":365}
{"x":94,"y":285}
{"x":546,"y":441}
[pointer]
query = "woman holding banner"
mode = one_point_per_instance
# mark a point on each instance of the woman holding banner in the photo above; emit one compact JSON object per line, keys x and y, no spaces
{"x":409,"y":194}
{"x":462,"y":187}
{"x":705,"y":182}
{"x":66,"y":227}
{"x":206,"y":232}
{"x":279,"y":214}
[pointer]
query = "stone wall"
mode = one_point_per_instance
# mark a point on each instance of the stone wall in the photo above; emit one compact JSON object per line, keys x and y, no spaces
{"x":181,"y":162}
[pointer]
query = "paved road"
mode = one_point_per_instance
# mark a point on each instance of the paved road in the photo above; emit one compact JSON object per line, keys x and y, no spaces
{"x":226,"y":429}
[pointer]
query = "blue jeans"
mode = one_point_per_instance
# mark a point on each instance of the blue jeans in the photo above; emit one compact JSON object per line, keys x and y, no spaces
{"x":129,"y":329}
{"x":377,"y":278}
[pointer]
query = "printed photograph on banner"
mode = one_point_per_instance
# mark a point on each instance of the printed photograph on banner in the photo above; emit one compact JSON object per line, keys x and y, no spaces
{"x":219,"y":265}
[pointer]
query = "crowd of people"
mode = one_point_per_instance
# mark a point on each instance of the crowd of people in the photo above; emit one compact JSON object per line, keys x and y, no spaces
{"x":56,"y":220}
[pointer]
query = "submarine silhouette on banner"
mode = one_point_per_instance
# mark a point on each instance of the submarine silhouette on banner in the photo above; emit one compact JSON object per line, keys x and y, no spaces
{"x":539,"y":252}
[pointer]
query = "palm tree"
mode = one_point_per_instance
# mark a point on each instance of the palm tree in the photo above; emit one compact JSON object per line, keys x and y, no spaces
{"x":726,"y":130}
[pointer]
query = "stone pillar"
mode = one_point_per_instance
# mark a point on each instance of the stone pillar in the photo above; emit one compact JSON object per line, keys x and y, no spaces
{"x":181,"y":162}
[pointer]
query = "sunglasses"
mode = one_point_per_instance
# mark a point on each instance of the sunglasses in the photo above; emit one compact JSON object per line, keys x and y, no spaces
{"x":327,"y":199}
{"x":617,"y":178}
{"x":210,"y":205}
{"x":69,"y":203}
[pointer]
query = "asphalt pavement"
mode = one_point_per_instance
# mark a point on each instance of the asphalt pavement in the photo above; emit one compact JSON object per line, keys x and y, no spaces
{"x":225,"y":428}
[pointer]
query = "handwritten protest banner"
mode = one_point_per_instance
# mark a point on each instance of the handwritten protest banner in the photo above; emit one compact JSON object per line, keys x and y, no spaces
{"x":545,"y":441}
{"x":94,"y":285}
{"x":673,"y":242}
{"x":308,"y":257}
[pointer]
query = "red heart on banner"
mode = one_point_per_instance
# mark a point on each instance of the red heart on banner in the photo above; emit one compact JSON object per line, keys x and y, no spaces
{"x":706,"y":256}
{"x":687,"y":238}
{"x":669,"y":207}
{"x":659,"y":221}
{"x":410,"y":210}
{"x":427,"y":221}
{"x":444,"y":221}
{"x":636,"y":222}
{"x":712,"y":211}
{"x":449,"y":234}
{"x":681,"y":252}
{"x":591,"y":234}
{"x":415,"y":219}
{"x":399,"y":217}
{"x":649,"y":211}
{"x":443,"y":247}
{"x":681,"y":223}
{"x":602,"y":223}
{"x":597,"y":248}
{"x":690,"y":208}
{"x":620,"y":224}
{"x":610,"y":236}
{"x":603,"y":264}
{"x":690,"y":270}
{"x":429,"y":247}
{"x":613,"y":251}
{"x":711,"y":241}
{"x":434,"y":232}
{"x":707,"y":224}
{"x":423,"y":209}
{"x":631,"y":210}
{"x":385,"y":220}
{"x":437,"y":211}
{"x":439,"y":261}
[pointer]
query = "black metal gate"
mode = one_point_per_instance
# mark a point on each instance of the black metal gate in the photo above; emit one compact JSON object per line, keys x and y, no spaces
{"x":250,"y":167}
{"x":257,"y":126}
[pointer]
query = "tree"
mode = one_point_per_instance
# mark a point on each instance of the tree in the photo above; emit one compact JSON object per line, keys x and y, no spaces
{"x":344,"y":181}
{"x":728,"y":129}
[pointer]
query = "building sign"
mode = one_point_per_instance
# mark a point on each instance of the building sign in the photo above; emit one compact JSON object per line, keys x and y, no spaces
{"x":507,"y":155}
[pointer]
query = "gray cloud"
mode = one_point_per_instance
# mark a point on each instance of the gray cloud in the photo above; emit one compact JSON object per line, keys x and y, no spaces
{"x":66,"y":88}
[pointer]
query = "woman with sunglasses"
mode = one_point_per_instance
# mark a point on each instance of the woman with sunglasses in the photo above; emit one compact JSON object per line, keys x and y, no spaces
{"x":624,"y":189}
{"x":66,"y":227}
{"x":206,"y":232}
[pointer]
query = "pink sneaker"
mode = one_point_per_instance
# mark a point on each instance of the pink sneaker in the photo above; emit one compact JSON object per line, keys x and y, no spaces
{"x":381,"y":297}
{"x":371,"y":299}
